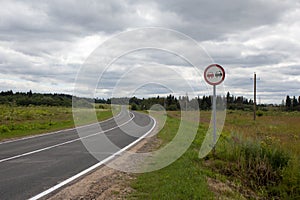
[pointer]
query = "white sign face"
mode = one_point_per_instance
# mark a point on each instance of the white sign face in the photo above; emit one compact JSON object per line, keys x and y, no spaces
{"x":214,"y":74}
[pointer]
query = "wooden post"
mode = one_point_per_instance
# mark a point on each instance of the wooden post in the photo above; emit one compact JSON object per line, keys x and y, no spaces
{"x":254,"y":106}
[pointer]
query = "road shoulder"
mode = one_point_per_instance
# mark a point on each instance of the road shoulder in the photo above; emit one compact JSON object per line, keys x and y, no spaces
{"x":105,"y":182}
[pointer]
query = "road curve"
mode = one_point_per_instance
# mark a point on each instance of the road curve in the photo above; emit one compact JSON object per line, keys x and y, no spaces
{"x":31,"y":166}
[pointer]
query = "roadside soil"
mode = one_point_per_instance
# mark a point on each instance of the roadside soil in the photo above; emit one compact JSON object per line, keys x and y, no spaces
{"x":105,"y":182}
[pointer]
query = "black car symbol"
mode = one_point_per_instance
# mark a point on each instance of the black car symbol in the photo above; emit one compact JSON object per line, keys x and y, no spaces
{"x":218,"y":74}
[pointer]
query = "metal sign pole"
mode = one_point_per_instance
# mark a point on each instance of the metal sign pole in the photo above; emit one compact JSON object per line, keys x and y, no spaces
{"x":214,"y":75}
{"x":214,"y":116}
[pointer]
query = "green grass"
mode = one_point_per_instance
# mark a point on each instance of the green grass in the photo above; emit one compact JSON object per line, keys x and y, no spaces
{"x":183,"y":179}
{"x":260,"y":156}
{"x":274,"y":127}
{"x":22,"y":121}
{"x":257,"y":165}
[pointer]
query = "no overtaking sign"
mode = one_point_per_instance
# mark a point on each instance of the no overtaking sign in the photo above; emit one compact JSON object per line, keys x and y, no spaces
{"x":214,"y":74}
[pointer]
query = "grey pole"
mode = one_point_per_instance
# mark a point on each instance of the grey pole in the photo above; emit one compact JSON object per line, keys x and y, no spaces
{"x":214,"y":118}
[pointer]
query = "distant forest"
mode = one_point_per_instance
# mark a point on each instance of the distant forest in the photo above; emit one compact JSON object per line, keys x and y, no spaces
{"x":169,"y":103}
{"x":37,"y":99}
{"x":292,"y":104}
{"x":185,"y":103}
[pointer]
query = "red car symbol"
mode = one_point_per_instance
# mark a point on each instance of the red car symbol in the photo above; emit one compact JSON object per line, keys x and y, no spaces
{"x":210,"y":75}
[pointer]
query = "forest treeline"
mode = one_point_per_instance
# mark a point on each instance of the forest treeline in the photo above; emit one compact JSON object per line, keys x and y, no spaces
{"x":169,"y":103}
{"x":37,"y":99}
{"x":205,"y":103}
{"x":185,"y":103}
{"x":292,"y":104}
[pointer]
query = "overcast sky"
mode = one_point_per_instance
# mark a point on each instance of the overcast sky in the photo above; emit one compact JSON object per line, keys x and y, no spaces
{"x":43,"y":44}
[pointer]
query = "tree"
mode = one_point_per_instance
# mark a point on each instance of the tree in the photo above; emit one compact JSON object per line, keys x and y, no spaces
{"x":134,"y":106}
{"x":29,"y":93}
{"x":295,"y":102}
{"x":7,"y":93}
{"x":288,"y":102}
{"x":228,"y":97}
{"x":298,"y":105}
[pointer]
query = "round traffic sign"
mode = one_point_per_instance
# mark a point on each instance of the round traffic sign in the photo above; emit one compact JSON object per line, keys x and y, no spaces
{"x":214,"y":74}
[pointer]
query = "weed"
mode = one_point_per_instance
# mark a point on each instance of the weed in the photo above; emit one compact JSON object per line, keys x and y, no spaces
{"x":261,"y":157}
{"x":261,"y":167}
{"x":259,"y":113}
{"x":4,"y":129}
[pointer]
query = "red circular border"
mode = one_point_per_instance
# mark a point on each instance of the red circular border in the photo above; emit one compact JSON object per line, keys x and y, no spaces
{"x":214,"y":65}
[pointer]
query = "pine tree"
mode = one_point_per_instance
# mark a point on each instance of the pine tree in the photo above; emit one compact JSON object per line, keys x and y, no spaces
{"x":288,"y":102}
{"x":228,"y":98}
{"x":295,"y":102}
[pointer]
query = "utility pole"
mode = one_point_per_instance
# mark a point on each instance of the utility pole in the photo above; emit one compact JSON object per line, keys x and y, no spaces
{"x":254,"y":105}
{"x":186,"y":101}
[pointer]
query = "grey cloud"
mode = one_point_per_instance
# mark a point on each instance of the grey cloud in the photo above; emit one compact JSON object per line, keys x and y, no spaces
{"x":106,"y":16}
{"x":214,"y":19}
{"x":248,"y":61}
{"x":154,"y":56}
{"x":293,"y":70}
{"x":35,"y":37}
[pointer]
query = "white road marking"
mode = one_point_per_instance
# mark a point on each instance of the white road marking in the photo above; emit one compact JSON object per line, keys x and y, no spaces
{"x":67,"y":181}
{"x":63,"y":143}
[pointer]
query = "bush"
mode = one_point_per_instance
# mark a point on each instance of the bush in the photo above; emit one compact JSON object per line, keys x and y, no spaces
{"x":4,"y":129}
{"x":134,"y":106}
{"x":172,"y":107}
{"x":101,"y":106}
{"x":259,"y":113}
{"x":81,"y":103}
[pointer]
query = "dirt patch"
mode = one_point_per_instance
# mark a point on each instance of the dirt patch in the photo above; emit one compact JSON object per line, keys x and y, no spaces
{"x":222,"y":190}
{"x":230,"y":190}
{"x":105,"y":182}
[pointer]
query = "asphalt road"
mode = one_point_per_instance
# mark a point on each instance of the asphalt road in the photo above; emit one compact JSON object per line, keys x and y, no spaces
{"x":32,"y":165}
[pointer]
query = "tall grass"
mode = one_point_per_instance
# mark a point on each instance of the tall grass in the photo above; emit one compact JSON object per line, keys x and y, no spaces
{"x":259,"y":159}
{"x":262,"y":167}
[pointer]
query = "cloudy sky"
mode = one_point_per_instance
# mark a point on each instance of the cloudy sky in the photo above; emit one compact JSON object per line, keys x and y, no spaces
{"x":44,"y":44}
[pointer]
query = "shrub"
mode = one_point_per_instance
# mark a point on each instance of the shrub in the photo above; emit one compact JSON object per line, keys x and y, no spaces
{"x":134,"y":106}
{"x":259,"y":113}
{"x":172,"y":107}
{"x":4,"y":129}
{"x":101,"y":106}
{"x":258,"y":165}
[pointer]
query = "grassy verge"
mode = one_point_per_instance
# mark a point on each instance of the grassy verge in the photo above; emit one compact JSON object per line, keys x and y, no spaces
{"x":254,"y":160}
{"x":18,"y":122}
{"x":271,"y":172}
{"x":183,"y":179}
{"x":261,"y":156}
